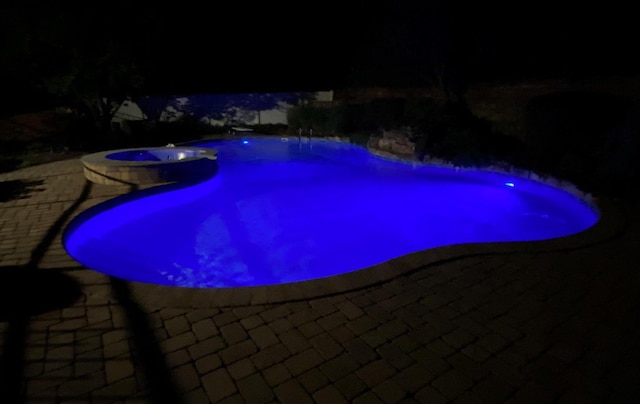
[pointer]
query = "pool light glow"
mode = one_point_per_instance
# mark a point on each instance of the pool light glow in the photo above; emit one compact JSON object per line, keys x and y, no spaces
{"x":280,"y":212}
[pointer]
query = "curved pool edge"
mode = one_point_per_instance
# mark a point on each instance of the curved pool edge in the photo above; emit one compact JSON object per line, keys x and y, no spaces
{"x":610,"y":224}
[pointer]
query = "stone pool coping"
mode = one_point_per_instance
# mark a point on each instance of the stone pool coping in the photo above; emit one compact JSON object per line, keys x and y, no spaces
{"x":102,"y":170}
{"x":610,"y":224}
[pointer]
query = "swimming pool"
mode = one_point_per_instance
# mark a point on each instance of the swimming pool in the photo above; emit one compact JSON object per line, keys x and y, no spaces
{"x":280,"y":211}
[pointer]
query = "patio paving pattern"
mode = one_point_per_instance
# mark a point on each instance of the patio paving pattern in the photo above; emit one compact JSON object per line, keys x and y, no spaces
{"x":523,"y":324}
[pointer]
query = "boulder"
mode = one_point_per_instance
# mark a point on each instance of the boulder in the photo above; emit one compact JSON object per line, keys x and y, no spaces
{"x":397,"y":142}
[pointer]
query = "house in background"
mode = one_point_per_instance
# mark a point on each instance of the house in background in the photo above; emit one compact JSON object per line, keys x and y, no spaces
{"x":216,"y":109}
{"x":128,"y":111}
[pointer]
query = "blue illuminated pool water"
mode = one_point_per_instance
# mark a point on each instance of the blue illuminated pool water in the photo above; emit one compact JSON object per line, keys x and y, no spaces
{"x":283,"y":211}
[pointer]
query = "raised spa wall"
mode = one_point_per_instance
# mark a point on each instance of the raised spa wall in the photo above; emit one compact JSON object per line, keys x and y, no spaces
{"x":172,"y":164}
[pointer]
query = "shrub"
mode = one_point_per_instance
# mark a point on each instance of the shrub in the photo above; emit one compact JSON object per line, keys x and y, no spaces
{"x":360,"y":138}
{"x":566,"y":132}
{"x":323,"y":120}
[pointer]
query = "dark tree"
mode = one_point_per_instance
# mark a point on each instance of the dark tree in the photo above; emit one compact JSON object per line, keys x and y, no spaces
{"x":76,"y":57}
{"x":427,"y":44}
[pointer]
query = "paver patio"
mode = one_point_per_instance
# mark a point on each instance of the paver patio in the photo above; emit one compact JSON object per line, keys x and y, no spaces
{"x":532,"y":323}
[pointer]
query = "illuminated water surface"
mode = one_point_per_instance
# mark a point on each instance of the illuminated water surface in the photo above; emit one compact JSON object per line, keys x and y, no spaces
{"x":283,"y":211}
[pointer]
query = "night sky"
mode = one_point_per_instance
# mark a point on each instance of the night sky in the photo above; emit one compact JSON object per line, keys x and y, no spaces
{"x":330,"y":44}
{"x":337,"y":44}
{"x":238,"y":47}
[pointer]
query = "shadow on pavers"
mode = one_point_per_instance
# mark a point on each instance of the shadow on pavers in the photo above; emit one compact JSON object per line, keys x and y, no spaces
{"x":26,"y":291}
{"x":161,"y":386}
{"x":18,"y":189}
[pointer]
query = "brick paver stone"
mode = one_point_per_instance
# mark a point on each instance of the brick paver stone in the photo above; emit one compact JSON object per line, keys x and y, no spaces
{"x":263,"y":336}
{"x":241,"y":369}
{"x":413,"y":378}
{"x":218,"y":385}
{"x":186,"y":376}
{"x":177,"y":325}
{"x":350,"y":386}
{"x":270,"y":356}
{"x":208,"y":363}
{"x":326,"y":345}
{"x":237,"y":351}
{"x":276,"y":374}
{"x":206,"y":347}
{"x":360,"y":350}
{"x":254,"y":389}
{"x":313,"y":379}
{"x":375,"y":372}
{"x":204,"y":329}
{"x":452,"y":384}
{"x":294,"y":341}
{"x":339,"y":366}
{"x":329,"y":394}
{"x":117,"y":369}
{"x":233,"y":333}
{"x":303,"y":361}
{"x":389,"y":391}
{"x":292,"y":392}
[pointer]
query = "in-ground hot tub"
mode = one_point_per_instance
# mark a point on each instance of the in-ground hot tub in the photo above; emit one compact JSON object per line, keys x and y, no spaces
{"x":155,"y":165}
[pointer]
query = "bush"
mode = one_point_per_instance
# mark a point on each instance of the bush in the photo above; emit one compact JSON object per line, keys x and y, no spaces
{"x":323,"y":120}
{"x":566,"y":133}
{"x":618,"y":167}
{"x":447,"y":130}
{"x":418,"y":111}
{"x":360,"y":138}
{"x":270,"y":129}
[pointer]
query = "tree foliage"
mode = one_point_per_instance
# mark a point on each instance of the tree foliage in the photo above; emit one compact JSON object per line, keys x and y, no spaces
{"x":74,"y":56}
{"x":427,"y":44}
